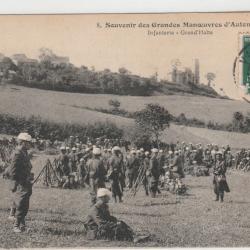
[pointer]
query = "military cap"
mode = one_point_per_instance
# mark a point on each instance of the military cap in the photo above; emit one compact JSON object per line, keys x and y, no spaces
{"x":116,"y":148}
{"x":101,"y":192}
{"x":154,"y":150}
{"x":218,"y":153}
{"x":96,"y":151}
{"x":24,"y":137}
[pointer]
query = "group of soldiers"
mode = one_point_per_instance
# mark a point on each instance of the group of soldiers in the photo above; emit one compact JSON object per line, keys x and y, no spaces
{"x":114,"y":165}
{"x":242,"y":160}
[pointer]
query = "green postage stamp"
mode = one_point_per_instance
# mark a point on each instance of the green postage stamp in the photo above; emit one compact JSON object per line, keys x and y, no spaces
{"x":246,"y":62}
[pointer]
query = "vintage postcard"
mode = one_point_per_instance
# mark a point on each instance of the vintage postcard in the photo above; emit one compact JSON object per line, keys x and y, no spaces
{"x":125,"y":130}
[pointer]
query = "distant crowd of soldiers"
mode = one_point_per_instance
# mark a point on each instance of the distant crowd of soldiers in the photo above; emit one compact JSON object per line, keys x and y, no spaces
{"x":103,"y":162}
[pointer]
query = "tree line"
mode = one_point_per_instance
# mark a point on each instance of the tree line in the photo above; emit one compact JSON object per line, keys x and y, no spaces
{"x":46,"y":74}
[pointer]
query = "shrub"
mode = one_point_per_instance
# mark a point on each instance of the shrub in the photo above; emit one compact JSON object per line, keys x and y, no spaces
{"x":56,"y":131}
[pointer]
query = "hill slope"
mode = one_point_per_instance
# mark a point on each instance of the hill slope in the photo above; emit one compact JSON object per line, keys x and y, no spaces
{"x":67,"y":107}
{"x":61,"y":106}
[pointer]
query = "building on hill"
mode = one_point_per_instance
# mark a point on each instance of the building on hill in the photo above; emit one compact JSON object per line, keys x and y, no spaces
{"x":197,"y":71}
{"x":182,"y":76}
{"x":22,"y":58}
{"x":186,"y":75}
{"x":1,"y":56}
{"x":56,"y":60}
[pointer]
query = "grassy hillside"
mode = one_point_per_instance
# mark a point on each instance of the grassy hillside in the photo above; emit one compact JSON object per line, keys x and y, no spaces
{"x":67,"y":107}
{"x":56,"y":216}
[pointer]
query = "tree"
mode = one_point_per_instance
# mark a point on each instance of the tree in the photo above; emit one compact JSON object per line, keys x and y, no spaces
{"x":247,"y":122}
{"x":123,"y":71}
{"x":115,"y":104}
{"x":238,"y":119}
{"x":153,"y":119}
{"x":210,"y":77}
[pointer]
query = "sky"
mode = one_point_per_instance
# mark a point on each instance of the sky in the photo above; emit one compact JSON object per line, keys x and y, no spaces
{"x":78,"y":37}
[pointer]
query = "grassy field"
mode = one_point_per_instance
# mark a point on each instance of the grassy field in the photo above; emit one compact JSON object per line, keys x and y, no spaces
{"x":56,"y":216}
{"x":205,"y":136}
{"x":64,"y":107}
{"x":61,"y":106}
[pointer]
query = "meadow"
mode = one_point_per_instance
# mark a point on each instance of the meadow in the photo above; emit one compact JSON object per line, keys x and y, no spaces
{"x":56,"y":216}
{"x":68,"y":107}
{"x":62,"y":106}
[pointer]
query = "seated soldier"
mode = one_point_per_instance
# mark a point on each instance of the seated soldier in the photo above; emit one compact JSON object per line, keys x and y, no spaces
{"x":99,"y":224}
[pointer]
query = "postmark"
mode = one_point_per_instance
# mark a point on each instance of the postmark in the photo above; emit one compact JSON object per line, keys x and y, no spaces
{"x":241,"y":65}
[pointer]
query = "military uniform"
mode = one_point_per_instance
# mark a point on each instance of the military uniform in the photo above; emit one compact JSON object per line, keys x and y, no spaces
{"x":220,"y":183}
{"x":72,"y":162}
{"x":96,"y":174}
{"x":177,"y":167}
{"x":20,"y":175}
{"x":154,"y":173}
{"x":99,"y":224}
{"x":81,"y":170}
{"x":132,"y":169}
{"x":64,"y":169}
{"x":145,"y":182}
{"x":115,"y":164}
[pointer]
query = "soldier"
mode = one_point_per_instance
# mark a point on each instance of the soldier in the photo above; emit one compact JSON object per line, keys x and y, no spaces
{"x":63,"y":166}
{"x":146,"y":164}
{"x":96,"y":173}
{"x":161,"y":159}
{"x":220,"y":183}
{"x":99,"y":224}
{"x":208,"y":159}
{"x":116,"y":173}
{"x":81,"y":172}
{"x":132,"y":167}
{"x":228,"y":159}
{"x":154,"y":172}
{"x":176,"y":166}
{"x":21,"y":177}
{"x":72,"y":160}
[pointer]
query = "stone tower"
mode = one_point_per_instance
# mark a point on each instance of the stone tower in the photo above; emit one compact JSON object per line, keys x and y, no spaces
{"x":197,"y":71}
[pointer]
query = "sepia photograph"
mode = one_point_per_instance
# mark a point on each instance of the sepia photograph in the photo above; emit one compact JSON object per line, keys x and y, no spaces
{"x":125,"y":130}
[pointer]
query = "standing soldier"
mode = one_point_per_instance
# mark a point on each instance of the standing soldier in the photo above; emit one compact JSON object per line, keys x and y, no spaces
{"x":72,"y":160}
{"x":220,"y":183}
{"x":63,"y":165}
{"x":146,"y":164}
{"x":154,"y":172}
{"x":116,"y":173}
{"x":21,"y":177}
{"x":132,"y":167}
{"x":176,"y":166}
{"x":161,"y":159}
{"x":96,"y":173}
{"x":81,"y":172}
